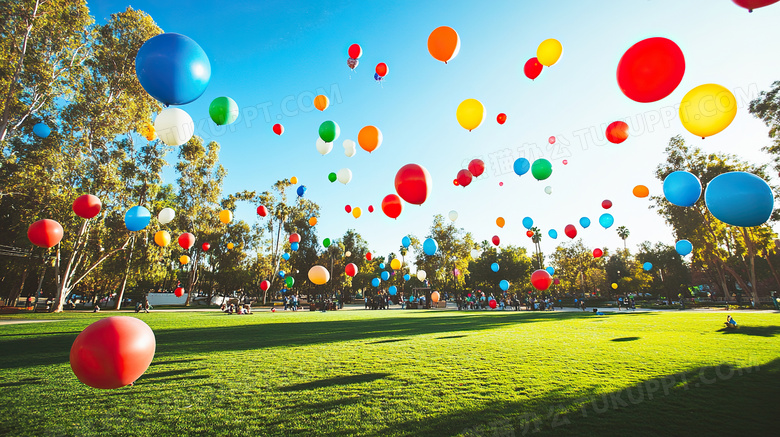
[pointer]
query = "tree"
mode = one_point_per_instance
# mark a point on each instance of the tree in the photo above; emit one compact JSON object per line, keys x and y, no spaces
{"x":669,"y":272}
{"x":575,"y":266}
{"x":767,"y":108}
{"x":623,"y":233}
{"x":455,"y":246}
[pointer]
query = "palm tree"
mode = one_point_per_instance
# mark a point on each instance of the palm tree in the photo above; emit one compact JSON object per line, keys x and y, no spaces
{"x":623,"y":233}
{"x":536,"y":238}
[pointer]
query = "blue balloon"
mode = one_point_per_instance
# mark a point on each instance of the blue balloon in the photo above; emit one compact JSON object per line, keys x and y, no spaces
{"x":42,"y":130}
{"x":406,"y":242}
{"x":294,"y":247}
{"x":286,"y":256}
{"x":504,"y":285}
{"x":606,"y":220}
{"x":584,"y":222}
{"x":684,"y":247}
{"x":281,"y":273}
{"x":377,"y":77}
{"x":682,"y":188}
{"x":301,"y":190}
{"x":494,"y":267}
{"x":522,"y":166}
{"x":407,"y":277}
{"x":173,"y":68}
{"x":381,"y":265}
{"x":430,"y":246}
{"x":528,"y":222}
{"x":411,"y":298}
{"x":137,"y":218}
{"x":550,"y":270}
{"x":375,"y":282}
{"x":392,"y":290}
{"x":739,"y":199}
{"x":385,"y":275}
{"x":552,"y":233}
{"x":647,"y":266}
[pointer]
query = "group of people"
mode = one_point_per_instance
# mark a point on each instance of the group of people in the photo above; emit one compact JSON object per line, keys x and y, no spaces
{"x":292,"y":302}
{"x":381,"y":301}
{"x":236,"y":308}
{"x":628,"y":303}
{"x":507,"y":301}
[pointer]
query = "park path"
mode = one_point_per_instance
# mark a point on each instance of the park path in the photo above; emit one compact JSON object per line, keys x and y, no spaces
{"x":15,"y":321}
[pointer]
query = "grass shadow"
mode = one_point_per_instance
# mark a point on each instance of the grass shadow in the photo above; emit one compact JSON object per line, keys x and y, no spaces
{"x":340,"y":380}
{"x":39,"y":333}
{"x":625,"y":339}
{"x":451,"y":336}
{"x":390,"y":340}
{"x":163,"y":363}
{"x":156,"y":375}
{"x":761,"y":331}
{"x":24,"y":381}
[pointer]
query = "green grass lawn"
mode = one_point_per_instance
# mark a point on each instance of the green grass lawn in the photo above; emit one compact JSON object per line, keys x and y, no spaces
{"x":407,"y":373}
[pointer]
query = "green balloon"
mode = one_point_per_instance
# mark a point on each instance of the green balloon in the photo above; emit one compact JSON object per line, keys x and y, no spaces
{"x":289,"y":281}
{"x":332,"y":177}
{"x":223,"y":110}
{"x":326,"y":242}
{"x":541,"y":169}
{"x":329,"y":131}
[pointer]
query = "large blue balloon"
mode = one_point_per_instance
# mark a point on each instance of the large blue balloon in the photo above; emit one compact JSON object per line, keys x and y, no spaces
{"x":375,"y":282}
{"x":552,"y":233}
{"x":504,"y":285}
{"x":173,"y":68}
{"x":550,"y":270}
{"x":494,"y":267}
{"x":647,"y":266}
{"x":42,"y":130}
{"x":430,"y":246}
{"x":584,"y":222}
{"x":522,"y":166}
{"x":301,"y":190}
{"x":739,"y":199}
{"x":407,"y":277}
{"x":137,"y":218}
{"x":682,"y":188}
{"x":683,"y":247}
{"x":606,"y":220}
{"x":406,"y":241}
{"x":392,"y":290}
{"x":528,"y":222}
{"x":294,"y":247}
{"x":385,"y":275}
{"x":286,"y":256}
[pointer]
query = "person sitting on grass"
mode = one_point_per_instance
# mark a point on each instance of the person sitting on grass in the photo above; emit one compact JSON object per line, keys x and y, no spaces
{"x":730,"y":323}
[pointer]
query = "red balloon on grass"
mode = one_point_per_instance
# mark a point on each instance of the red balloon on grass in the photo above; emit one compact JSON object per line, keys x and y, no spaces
{"x":464,"y":178}
{"x":650,"y":69}
{"x":112,"y":352}
{"x":617,"y":132}
{"x":532,"y":68}
{"x":186,"y":240}
{"x":355,"y":51}
{"x":392,"y":206}
{"x":262,"y":211}
{"x":45,"y":233}
{"x":597,"y":253}
{"x":87,"y":206}
{"x":477,"y":167}
{"x":351,"y":270}
{"x":501,"y":118}
{"x":178,"y":292}
{"x":496,"y":240}
{"x":413,"y":183}
{"x":607,"y":204}
{"x":541,"y":279}
{"x":381,"y":69}
{"x":278,"y":129}
{"x":570,"y":231}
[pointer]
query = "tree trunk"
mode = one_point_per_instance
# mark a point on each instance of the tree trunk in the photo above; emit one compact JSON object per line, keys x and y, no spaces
{"x":40,"y":285}
{"x":752,"y":272}
{"x":14,"y":296}
{"x":121,"y":293}
{"x":772,"y":268}
{"x":192,"y":278}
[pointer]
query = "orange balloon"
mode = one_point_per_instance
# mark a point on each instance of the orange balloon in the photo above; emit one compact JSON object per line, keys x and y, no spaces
{"x":500,"y":222}
{"x":444,"y":43}
{"x":321,"y":102}
{"x":312,"y":221}
{"x":641,"y":191}
{"x":370,"y":138}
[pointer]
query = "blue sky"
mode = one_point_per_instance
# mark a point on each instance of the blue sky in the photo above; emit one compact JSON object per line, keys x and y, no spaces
{"x":273,"y":57}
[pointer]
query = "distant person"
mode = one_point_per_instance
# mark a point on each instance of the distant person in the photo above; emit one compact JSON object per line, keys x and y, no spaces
{"x":730,"y":323}
{"x":582,"y":304}
{"x":96,"y":309}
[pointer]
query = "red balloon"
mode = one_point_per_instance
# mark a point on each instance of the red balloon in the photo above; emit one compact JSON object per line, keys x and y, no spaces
{"x":368,"y":256}
{"x":295,"y":238}
{"x":754,"y":4}
{"x":278,"y":129}
{"x":355,"y":51}
{"x":477,"y":167}
{"x":351,"y":270}
{"x":501,"y":118}
{"x":186,"y":240}
{"x":45,"y":233}
{"x":607,"y":204}
{"x":206,"y":247}
{"x":464,"y":178}
{"x":178,"y":292}
{"x":565,"y":161}
{"x":570,"y":231}
{"x":112,"y":352}
{"x":492,"y":303}
{"x":262,"y":211}
{"x":556,"y":281}
{"x":541,"y":279}
{"x":529,"y":234}
{"x":455,"y":182}
{"x":392,"y":206}
{"x":617,"y":132}
{"x":597,"y":253}
{"x":348,"y":208}
{"x":381,"y":69}
{"x":413,"y":183}
{"x":87,"y":206}
{"x":533,"y":68}
{"x":551,"y":140}
{"x":496,"y":240}
{"x":650,"y":69}
{"x":370,"y":208}
{"x":265,"y":285}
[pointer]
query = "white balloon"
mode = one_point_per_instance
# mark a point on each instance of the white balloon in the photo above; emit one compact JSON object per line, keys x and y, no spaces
{"x":349,"y":148}
{"x":348,"y":253}
{"x":174,"y":126}
{"x":453,"y":215}
{"x":323,"y":147}
{"x":344,"y":175}
{"x":166,"y":215}
{"x":421,"y":275}
{"x":548,"y":189}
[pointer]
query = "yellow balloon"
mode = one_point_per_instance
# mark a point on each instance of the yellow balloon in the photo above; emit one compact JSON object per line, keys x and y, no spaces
{"x":162,"y":238}
{"x":230,"y":245}
{"x":708,"y":109}
{"x":225,"y":216}
{"x":184,"y":259}
{"x":293,"y":180}
{"x":312,"y":221}
{"x":395,"y":264}
{"x":356,"y":212}
{"x":500,"y":222}
{"x":549,"y":52}
{"x":470,"y":114}
{"x":614,"y":286}
{"x":319,"y":275}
